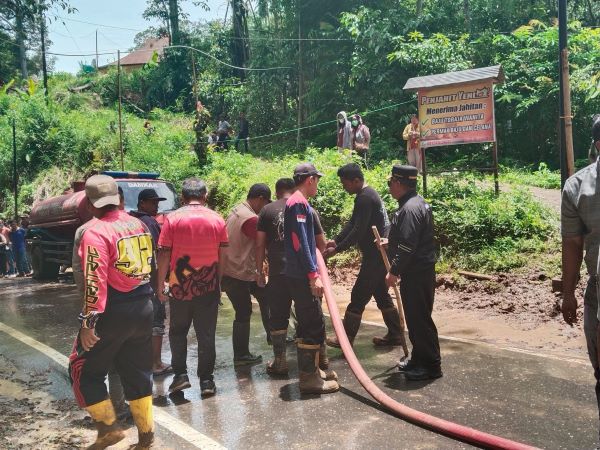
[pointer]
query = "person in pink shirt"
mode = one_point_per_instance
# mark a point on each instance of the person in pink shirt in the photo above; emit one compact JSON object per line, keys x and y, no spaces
{"x":116,"y":322}
{"x":192,"y":244}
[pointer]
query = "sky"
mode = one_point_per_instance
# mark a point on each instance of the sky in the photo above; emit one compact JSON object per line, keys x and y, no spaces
{"x":72,"y":37}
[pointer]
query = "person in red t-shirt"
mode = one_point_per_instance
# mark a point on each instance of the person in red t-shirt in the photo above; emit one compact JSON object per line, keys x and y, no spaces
{"x":116,"y":322}
{"x":192,"y":244}
{"x":239,"y":270}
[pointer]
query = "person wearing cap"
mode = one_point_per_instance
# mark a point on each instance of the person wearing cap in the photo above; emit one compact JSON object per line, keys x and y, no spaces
{"x":368,"y":212}
{"x":192,"y":244}
{"x":304,"y":283}
{"x":412,"y":136}
{"x":147,"y":205}
{"x":115,"y":387}
{"x":239,"y":270}
{"x":269,"y":243}
{"x":412,"y":254}
{"x":580,"y":230}
{"x":116,"y":321}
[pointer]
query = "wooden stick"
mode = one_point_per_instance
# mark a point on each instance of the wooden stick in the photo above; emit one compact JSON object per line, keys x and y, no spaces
{"x":386,"y":261}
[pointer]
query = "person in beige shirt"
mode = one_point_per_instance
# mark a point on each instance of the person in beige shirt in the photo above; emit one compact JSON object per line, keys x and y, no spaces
{"x":239,"y":272}
{"x":412,"y":136}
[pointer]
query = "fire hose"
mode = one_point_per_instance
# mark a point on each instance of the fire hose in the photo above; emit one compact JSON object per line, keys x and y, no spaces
{"x":451,"y":429}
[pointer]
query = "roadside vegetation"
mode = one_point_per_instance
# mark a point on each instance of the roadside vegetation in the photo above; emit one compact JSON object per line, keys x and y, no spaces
{"x":352,"y":55}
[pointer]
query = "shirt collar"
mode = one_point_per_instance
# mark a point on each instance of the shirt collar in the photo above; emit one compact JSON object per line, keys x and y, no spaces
{"x":406,"y":197}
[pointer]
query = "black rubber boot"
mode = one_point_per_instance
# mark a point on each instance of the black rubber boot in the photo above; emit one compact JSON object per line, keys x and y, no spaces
{"x":351,"y":325}
{"x":240,"y":338}
{"x":394,"y":336}
{"x":279,"y":365}
{"x":309,"y":373}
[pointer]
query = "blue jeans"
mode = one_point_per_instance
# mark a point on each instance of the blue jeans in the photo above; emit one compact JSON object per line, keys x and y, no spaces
{"x":21,"y":261}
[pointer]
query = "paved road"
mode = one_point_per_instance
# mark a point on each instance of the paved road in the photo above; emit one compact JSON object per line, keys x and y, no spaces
{"x":541,"y":401}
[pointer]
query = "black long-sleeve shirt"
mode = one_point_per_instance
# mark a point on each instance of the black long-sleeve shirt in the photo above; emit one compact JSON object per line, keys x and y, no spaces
{"x":411,"y":247}
{"x":368,"y":211}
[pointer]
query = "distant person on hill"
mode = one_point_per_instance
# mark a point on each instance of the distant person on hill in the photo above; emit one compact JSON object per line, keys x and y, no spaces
{"x":361,"y":136}
{"x":344,"y":131}
{"x":223,"y":130}
{"x":243,"y":132}
{"x":412,"y":136}
{"x":579,"y":221}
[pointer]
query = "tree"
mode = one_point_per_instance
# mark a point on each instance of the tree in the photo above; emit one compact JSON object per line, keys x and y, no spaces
{"x":20,"y":19}
{"x":170,"y":15}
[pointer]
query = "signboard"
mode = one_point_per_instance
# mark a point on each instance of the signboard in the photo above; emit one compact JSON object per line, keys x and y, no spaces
{"x":461,"y":114}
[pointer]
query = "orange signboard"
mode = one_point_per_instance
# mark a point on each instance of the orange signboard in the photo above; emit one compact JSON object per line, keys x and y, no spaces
{"x":457,"y":114}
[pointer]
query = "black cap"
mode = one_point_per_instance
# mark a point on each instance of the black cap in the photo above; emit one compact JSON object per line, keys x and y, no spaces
{"x":407,"y":174}
{"x":260,"y":190}
{"x":149,"y":194}
{"x":306,"y":169}
{"x":596,"y":128}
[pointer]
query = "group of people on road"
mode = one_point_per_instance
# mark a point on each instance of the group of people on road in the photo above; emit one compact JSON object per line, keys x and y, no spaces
{"x":14,"y":260}
{"x":128,"y":267}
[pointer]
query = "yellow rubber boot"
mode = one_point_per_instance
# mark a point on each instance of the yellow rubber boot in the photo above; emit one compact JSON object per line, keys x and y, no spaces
{"x":105,"y":419}
{"x":141,"y":410}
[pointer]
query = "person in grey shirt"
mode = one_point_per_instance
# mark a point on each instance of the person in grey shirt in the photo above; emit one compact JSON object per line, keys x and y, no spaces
{"x":580,"y":229}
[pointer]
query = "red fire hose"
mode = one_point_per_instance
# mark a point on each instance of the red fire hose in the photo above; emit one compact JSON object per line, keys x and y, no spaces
{"x":442,"y":426}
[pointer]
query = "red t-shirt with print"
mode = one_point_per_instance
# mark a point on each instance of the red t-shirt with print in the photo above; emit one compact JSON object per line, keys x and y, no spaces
{"x":194,"y":234}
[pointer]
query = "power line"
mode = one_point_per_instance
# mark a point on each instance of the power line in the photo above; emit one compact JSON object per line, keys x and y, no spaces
{"x":99,"y":24}
{"x":329,"y":122}
{"x":224,"y":63}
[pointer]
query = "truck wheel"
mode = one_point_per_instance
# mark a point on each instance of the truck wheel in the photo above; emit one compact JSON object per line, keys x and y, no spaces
{"x":42,"y":269}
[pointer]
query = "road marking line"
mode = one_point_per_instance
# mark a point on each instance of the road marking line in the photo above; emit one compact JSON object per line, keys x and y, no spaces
{"x":163,"y":418}
{"x":581,"y":361}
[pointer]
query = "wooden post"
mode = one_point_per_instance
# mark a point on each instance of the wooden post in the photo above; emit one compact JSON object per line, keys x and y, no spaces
{"x":495,"y":158}
{"x":44,"y":67}
{"x":120,"y":113}
{"x":15,"y":175}
{"x":386,"y":261}
{"x":568,"y":118}
{"x":424,"y":165}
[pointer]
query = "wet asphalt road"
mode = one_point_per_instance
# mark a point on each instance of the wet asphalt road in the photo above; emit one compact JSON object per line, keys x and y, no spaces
{"x":539,"y":401}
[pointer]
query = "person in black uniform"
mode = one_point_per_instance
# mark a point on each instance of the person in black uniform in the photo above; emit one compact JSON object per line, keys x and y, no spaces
{"x":368,"y":211}
{"x":412,"y":254}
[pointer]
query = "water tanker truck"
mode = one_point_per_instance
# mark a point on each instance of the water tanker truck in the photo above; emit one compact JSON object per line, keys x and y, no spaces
{"x":53,"y":221}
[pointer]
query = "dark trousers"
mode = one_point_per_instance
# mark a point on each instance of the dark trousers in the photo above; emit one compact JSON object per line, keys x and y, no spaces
{"x":279,"y":299}
{"x":160,"y":314}
{"x":3,"y":262}
{"x":417,"y":290}
{"x":125,"y":332}
{"x":21,"y":261}
{"x":311,"y":324}
{"x":370,"y":283}
{"x":243,"y":139}
{"x":590,"y":328}
{"x":240,"y":294}
{"x":202,"y":312}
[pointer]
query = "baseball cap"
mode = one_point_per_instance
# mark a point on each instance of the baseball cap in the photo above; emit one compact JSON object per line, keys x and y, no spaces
{"x":306,"y":169}
{"x":149,"y":194}
{"x":596,"y":128}
{"x":260,"y":190}
{"x":102,"y":190}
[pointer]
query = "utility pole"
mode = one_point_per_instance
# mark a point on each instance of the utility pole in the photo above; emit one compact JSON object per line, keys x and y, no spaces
{"x":300,"y":81}
{"x":96,"y":49}
{"x":15,"y":181}
{"x":120,"y":113}
{"x":43,"y":37}
{"x":567,"y":163}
